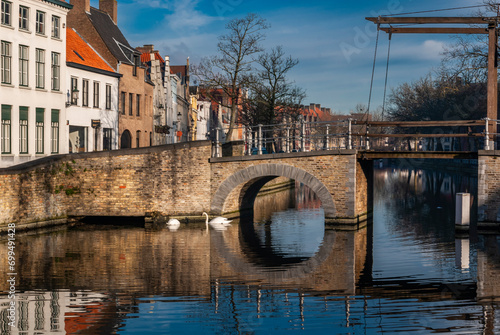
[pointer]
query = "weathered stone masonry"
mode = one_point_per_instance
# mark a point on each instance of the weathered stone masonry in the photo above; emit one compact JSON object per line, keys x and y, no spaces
{"x":488,"y":170}
{"x":172,"y":180}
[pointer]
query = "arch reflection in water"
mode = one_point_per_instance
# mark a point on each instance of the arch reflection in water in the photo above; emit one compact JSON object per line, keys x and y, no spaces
{"x":288,"y":224}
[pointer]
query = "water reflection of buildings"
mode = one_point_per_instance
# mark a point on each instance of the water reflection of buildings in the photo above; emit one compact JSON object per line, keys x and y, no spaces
{"x":135,"y":263}
{"x":42,"y":312}
{"x":273,"y":198}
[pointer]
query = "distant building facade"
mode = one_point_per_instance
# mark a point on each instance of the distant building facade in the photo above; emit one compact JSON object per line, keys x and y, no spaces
{"x":99,"y":28}
{"x":92,"y":111}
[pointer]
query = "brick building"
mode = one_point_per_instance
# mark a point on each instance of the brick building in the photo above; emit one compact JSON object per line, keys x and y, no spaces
{"x":99,"y":28}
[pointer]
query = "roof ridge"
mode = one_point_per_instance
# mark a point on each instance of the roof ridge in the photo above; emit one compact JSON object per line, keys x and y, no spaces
{"x":103,"y":12}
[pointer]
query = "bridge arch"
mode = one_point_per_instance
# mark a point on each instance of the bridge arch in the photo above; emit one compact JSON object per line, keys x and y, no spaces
{"x":258,"y":174}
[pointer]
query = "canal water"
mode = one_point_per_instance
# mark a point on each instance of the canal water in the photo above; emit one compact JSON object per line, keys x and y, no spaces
{"x":279,"y":271}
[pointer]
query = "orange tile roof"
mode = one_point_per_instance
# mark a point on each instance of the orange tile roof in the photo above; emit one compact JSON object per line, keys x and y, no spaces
{"x":80,"y":52}
{"x":146,"y":57}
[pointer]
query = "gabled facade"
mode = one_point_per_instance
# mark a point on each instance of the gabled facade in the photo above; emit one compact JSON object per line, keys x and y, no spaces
{"x":32,"y":87}
{"x":99,"y":28}
{"x":155,"y":73}
{"x":181,"y":102}
{"x":92,"y":111}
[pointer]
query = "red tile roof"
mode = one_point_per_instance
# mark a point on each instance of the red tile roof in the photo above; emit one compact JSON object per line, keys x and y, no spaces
{"x":80,"y":52}
{"x":146,"y":57}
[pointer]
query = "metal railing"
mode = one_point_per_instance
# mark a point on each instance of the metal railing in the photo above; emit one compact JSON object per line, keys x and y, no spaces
{"x":301,"y":136}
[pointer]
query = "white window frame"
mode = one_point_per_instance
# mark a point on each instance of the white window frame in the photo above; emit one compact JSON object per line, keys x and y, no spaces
{"x":108,"y":96}
{"x":23,"y":65}
{"x":6,"y":145}
{"x":6,"y":63}
{"x":6,"y":16}
{"x":24,"y":18}
{"x":85,"y":92}
{"x":40,"y":68}
{"x":56,"y":71}
{"x":56,"y":27}
{"x":40,"y":22}
{"x":96,"y":94}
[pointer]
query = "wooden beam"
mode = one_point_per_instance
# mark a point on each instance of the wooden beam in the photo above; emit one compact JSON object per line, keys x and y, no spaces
{"x":451,"y":123}
{"x":492,"y":88}
{"x":427,"y":20}
{"x":421,"y":135}
{"x":417,"y":154}
{"x":449,"y":30}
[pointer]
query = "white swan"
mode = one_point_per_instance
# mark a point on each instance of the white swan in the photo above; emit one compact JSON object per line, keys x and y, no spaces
{"x":173,"y":224}
{"x":218,"y":223}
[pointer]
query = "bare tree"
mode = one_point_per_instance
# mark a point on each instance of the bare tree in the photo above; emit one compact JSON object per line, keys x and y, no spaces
{"x":229,"y":70}
{"x":467,"y":58}
{"x":272,"y":97}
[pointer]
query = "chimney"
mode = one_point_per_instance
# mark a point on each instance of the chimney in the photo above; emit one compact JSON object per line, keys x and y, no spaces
{"x":318,"y":106}
{"x":312,"y":106}
{"x":110,"y":7}
{"x":147,"y":48}
{"x":80,"y":5}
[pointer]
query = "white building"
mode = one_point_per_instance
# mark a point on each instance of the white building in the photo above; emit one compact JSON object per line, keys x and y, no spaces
{"x":92,"y":106}
{"x":32,"y":94}
{"x":56,"y":312}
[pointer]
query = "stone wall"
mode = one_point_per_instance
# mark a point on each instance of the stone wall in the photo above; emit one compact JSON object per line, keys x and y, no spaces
{"x":488,"y":171}
{"x":171,"y":179}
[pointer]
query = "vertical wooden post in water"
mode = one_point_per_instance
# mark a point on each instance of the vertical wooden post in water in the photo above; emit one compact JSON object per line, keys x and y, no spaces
{"x":492,"y":100}
{"x":462,"y":211}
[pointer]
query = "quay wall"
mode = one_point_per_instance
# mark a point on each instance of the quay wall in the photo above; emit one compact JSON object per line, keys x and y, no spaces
{"x":130,"y":182}
{"x":488,"y":170}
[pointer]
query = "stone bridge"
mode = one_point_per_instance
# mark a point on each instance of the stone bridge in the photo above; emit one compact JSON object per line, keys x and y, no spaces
{"x":183,"y":180}
{"x":176,"y":180}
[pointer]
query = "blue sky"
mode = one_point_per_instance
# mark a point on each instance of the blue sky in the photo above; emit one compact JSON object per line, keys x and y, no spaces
{"x":332,"y":40}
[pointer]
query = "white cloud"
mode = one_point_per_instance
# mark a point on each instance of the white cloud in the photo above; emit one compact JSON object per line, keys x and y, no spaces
{"x":182,"y":14}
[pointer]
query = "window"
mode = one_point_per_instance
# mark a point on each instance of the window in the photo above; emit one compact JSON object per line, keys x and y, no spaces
{"x":96,"y":139}
{"x":23,"y":65}
{"x":24,"y":13}
{"x":54,"y":131}
{"x":130,"y":103}
{"x":123,"y":102}
{"x":40,"y":22}
{"x":137,"y":139}
{"x":138,"y":104}
{"x":108,"y":96}
{"x":74,"y":91}
{"x":56,"y":70}
{"x":107,"y":138}
{"x":96,"y":94}
{"x":56,"y":27}
{"x":23,"y":130}
{"x":134,"y":70}
{"x":6,"y":62}
{"x":5,"y":139}
{"x":85,"y":92}
{"x":40,"y":68}
{"x":39,"y":130}
{"x":6,"y":13}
